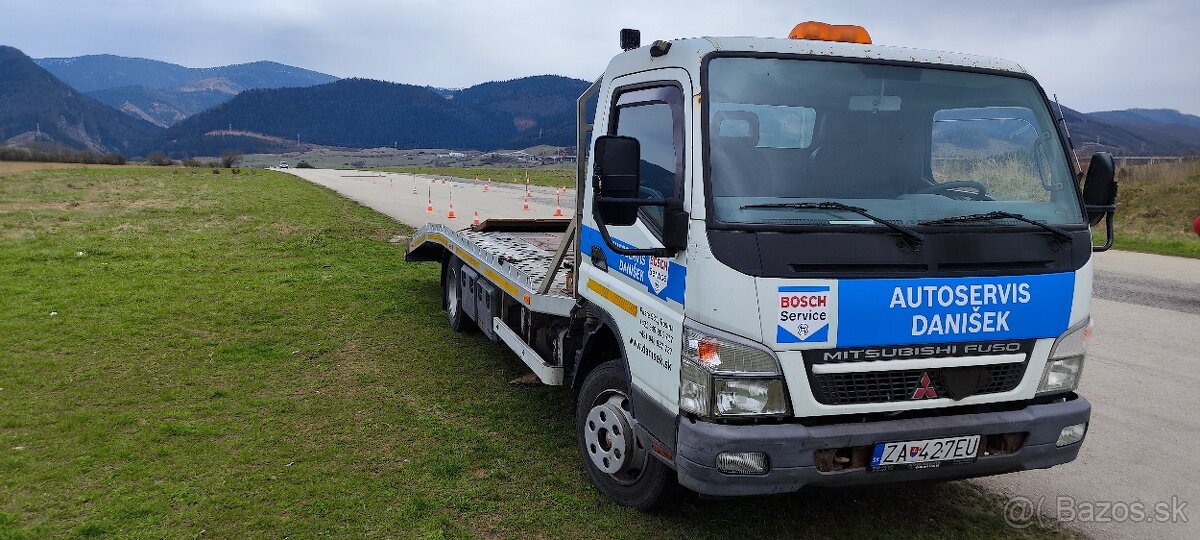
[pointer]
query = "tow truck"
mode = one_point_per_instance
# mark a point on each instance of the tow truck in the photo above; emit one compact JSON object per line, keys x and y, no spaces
{"x":811,"y":261}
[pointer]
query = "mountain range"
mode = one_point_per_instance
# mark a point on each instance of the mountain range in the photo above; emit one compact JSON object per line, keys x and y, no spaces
{"x":1135,"y":131}
{"x":163,"y":93}
{"x":367,"y":113}
{"x":265,"y":107}
{"x":36,"y":107}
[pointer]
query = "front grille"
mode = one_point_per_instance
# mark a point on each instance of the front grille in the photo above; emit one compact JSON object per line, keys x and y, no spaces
{"x":899,"y":385}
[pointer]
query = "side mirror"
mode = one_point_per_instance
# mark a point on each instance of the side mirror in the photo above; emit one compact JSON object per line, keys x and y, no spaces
{"x":616,"y":184}
{"x":616,"y":177}
{"x":1100,"y":187}
{"x":1100,"y":193}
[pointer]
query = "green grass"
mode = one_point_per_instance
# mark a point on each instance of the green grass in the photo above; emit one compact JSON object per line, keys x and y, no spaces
{"x":1155,"y":208}
{"x":563,"y":176}
{"x":248,"y":356}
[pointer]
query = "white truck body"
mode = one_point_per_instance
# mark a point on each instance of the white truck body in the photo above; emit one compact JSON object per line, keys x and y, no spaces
{"x":849,"y":356}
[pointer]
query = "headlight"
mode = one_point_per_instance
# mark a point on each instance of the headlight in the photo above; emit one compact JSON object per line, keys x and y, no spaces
{"x":724,"y":376}
{"x":739,"y":397}
{"x":1065,"y":365}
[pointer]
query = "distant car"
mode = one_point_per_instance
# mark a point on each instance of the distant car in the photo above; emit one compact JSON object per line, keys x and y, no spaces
{"x":283,"y":165}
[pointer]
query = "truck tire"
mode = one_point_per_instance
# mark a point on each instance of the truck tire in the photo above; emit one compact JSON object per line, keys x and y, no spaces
{"x":615,"y":459}
{"x":451,"y":301}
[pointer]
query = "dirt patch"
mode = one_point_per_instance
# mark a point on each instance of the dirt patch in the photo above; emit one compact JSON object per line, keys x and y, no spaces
{"x":285,"y":229}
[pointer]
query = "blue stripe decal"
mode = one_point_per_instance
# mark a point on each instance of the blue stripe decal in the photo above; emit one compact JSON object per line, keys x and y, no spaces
{"x":670,"y":286}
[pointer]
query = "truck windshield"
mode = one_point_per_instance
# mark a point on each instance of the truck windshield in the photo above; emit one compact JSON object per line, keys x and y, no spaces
{"x":907,"y":144}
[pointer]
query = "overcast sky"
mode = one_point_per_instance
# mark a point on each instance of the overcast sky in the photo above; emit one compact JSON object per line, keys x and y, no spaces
{"x":1096,"y":55}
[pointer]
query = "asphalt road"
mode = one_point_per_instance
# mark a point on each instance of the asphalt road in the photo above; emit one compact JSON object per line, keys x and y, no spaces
{"x":1143,"y":444}
{"x":1141,"y":377}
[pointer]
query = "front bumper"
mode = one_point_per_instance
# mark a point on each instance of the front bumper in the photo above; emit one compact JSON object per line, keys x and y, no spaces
{"x":791,"y":447}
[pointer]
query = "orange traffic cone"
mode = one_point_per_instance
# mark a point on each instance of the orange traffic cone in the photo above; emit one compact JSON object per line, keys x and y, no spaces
{"x":451,"y":214}
{"x":429,"y":208}
{"x":487,"y":183}
{"x":476,"y":220}
{"x":525,"y":206}
{"x":557,"y":204}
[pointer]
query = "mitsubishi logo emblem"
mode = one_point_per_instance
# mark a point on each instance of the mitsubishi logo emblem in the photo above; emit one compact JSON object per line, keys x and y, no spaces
{"x":926,"y":389}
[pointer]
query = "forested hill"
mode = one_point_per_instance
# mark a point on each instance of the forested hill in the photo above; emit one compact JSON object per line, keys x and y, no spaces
{"x":368,"y":113}
{"x":37,"y":108}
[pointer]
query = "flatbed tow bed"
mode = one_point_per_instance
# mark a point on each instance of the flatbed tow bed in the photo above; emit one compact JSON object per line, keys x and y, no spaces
{"x":517,"y":256}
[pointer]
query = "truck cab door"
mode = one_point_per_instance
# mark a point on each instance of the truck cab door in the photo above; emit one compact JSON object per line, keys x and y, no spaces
{"x":643,"y":295}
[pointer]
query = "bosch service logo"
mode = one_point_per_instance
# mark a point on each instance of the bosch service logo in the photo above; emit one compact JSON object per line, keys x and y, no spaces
{"x":804,"y":314}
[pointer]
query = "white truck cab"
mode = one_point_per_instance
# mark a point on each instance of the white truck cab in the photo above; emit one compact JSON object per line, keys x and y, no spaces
{"x":803,"y":261}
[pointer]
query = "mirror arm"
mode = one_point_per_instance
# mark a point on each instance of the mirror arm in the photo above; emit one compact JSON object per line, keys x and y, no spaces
{"x":653,"y":252}
{"x":603,"y":227}
{"x":1109,"y":210}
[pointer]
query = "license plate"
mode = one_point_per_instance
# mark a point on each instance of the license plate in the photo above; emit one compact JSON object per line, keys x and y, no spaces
{"x":925,"y":454}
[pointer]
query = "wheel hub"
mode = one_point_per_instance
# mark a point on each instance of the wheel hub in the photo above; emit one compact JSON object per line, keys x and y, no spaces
{"x":609,"y":437}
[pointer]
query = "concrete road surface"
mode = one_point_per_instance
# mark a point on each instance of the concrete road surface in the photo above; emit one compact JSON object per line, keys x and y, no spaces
{"x":1142,"y":373}
{"x":392,"y":194}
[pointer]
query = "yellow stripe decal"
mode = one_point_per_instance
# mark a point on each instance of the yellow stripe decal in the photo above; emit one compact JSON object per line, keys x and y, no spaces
{"x":464,"y":255}
{"x":613,"y":297}
{"x":503,"y":283}
{"x":435,"y":238}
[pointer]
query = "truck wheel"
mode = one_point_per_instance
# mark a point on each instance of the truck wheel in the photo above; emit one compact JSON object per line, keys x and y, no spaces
{"x":615,"y":459}
{"x":452,"y":301}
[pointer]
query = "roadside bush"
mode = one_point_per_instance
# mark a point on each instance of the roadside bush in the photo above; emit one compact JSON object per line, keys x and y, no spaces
{"x":304,"y":165}
{"x":231,"y":158}
{"x":158,"y":159}
{"x":190,"y":162}
{"x":58,"y":153}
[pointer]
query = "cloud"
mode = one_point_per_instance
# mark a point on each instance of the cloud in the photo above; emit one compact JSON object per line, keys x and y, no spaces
{"x":1103,"y":54}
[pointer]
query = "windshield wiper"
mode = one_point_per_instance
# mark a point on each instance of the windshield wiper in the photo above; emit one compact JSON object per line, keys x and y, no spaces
{"x":999,"y":214}
{"x":915,"y":238}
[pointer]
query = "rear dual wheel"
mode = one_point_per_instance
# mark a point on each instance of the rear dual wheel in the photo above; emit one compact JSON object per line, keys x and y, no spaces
{"x":452,"y":297}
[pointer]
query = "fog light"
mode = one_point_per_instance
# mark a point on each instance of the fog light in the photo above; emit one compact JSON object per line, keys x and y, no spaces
{"x":743,"y":463}
{"x":1071,"y":434}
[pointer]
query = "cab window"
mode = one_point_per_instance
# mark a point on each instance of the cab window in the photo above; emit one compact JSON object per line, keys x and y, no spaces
{"x":654,"y":117}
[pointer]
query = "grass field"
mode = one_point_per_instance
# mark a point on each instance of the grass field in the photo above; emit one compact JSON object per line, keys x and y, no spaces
{"x":563,"y":176}
{"x":198,"y":355}
{"x":1155,"y":208}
